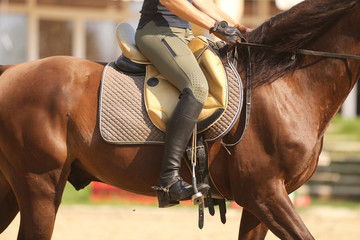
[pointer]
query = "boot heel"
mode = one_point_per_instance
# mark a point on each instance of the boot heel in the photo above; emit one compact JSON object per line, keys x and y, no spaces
{"x":164,"y":200}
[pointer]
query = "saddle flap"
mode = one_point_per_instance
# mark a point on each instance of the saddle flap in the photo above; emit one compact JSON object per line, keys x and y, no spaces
{"x":161,"y":96}
{"x":125,"y":35}
{"x":214,"y":72}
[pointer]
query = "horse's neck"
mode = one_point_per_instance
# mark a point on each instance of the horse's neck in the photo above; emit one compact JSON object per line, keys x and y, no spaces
{"x":327,"y":82}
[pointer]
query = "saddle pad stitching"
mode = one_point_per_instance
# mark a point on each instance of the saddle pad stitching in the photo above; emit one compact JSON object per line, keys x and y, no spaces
{"x":102,"y":131}
{"x":100,"y":99}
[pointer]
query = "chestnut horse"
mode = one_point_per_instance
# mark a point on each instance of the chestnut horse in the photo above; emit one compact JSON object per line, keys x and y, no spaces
{"x":49,"y":130}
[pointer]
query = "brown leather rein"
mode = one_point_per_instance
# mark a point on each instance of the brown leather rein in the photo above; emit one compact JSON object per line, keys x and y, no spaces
{"x":304,"y":51}
{"x":243,"y":42}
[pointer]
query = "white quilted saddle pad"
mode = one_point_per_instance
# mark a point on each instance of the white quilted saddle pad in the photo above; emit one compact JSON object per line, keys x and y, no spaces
{"x":124,"y":119}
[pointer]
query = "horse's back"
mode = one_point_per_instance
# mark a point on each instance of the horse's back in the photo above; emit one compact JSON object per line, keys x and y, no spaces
{"x":47,"y":78}
{"x":50,"y":68}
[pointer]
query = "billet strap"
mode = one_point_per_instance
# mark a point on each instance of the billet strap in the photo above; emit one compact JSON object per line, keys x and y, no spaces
{"x":222,"y":209}
{"x":210,"y":203}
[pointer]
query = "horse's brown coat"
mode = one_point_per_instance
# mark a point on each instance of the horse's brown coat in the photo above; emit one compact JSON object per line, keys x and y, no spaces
{"x":48,"y":128}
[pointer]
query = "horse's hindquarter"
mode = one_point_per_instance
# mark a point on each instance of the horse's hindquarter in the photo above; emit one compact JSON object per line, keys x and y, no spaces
{"x":36,"y":101}
{"x":49,"y":120}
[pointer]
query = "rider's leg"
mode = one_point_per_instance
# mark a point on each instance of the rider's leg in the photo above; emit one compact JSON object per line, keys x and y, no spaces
{"x":179,"y":130}
{"x":175,"y":61}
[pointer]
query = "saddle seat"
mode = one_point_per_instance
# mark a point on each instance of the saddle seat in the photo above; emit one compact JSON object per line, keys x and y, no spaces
{"x":160,"y":95}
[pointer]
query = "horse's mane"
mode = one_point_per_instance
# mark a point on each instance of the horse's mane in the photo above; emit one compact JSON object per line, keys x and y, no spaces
{"x":289,"y":31}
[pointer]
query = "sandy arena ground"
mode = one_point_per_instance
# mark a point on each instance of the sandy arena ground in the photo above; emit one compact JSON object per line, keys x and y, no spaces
{"x":179,"y":223}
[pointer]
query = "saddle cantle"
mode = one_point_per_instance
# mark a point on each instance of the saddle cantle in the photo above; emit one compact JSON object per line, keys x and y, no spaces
{"x":160,"y":95}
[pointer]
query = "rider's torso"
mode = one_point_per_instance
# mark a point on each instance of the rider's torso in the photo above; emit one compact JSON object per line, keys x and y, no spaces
{"x":153,"y":10}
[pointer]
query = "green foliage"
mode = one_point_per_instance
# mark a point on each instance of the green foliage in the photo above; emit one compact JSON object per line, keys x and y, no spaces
{"x":341,"y":126}
{"x":83,"y":196}
{"x":342,"y":139}
{"x":71,"y":196}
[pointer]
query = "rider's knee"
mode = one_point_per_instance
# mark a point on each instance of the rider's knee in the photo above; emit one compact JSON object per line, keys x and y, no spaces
{"x":199,"y":87}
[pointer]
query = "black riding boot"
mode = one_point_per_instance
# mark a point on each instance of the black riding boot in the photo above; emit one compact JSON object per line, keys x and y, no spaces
{"x":172,"y":188}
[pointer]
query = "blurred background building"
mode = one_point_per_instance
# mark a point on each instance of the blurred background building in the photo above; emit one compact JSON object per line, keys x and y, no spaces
{"x":33,"y":29}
